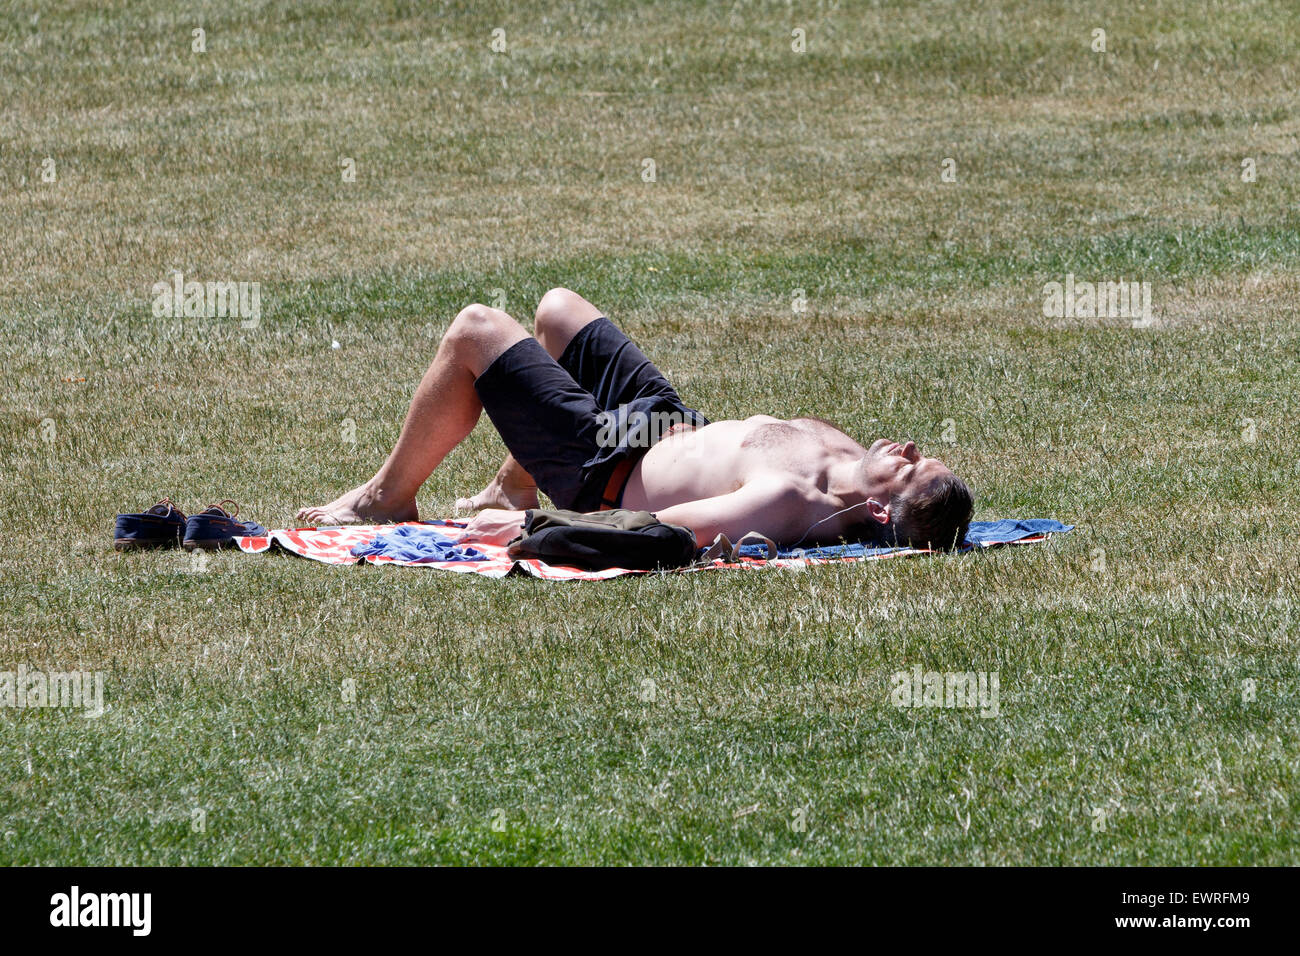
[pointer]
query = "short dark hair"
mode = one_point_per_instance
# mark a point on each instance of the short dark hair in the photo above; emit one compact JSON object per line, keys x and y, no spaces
{"x":936,"y":515}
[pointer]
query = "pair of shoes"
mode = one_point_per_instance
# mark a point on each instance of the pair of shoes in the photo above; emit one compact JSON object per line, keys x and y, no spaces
{"x":165,"y":526}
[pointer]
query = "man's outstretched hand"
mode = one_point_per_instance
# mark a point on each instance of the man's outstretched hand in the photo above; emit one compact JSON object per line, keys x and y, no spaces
{"x":495,"y":526}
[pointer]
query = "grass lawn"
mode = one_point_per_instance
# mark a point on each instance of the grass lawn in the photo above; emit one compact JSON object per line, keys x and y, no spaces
{"x":798,"y":250}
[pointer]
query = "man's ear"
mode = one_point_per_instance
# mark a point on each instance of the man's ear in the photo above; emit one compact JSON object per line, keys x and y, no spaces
{"x":879,"y":513}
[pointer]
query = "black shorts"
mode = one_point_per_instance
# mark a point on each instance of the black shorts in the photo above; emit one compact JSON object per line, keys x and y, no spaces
{"x":570,"y":422}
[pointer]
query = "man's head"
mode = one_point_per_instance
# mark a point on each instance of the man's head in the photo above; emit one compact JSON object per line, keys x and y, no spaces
{"x":914,"y":499}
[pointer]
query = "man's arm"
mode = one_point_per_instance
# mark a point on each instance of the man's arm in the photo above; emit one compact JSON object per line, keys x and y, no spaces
{"x":772,"y":507}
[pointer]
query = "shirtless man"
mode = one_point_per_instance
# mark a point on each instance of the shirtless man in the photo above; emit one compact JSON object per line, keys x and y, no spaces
{"x":567,"y":402}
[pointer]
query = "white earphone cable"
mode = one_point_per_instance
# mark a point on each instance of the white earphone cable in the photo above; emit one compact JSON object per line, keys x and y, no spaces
{"x":830,"y":516}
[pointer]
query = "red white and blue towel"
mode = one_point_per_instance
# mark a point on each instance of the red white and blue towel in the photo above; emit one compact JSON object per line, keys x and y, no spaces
{"x":436,"y":544}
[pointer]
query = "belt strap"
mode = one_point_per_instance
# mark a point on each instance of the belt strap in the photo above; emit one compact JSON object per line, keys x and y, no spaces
{"x":613,"y":493}
{"x":723,"y":549}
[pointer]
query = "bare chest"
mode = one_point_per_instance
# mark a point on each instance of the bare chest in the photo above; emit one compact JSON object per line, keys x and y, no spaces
{"x":780,"y":446}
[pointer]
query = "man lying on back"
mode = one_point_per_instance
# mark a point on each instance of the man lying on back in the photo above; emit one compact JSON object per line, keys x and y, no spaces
{"x":582,"y":411}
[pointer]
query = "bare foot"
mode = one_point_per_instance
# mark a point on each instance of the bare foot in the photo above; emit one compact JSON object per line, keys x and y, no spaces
{"x":362,"y":504}
{"x":498,"y":495}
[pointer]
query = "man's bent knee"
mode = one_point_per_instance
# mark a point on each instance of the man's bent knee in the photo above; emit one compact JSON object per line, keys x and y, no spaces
{"x":476,"y":322}
{"x":560,"y":314}
{"x":481,"y":333}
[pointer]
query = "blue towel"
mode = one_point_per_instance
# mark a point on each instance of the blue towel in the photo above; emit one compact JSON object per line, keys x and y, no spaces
{"x":981,"y":534}
{"x":411,"y":543}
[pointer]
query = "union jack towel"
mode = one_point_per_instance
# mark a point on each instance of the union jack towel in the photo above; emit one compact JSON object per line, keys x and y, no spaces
{"x":335,"y":546}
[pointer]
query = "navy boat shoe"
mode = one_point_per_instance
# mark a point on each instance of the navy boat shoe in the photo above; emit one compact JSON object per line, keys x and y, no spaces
{"x":162,"y":526}
{"x":217,"y":528}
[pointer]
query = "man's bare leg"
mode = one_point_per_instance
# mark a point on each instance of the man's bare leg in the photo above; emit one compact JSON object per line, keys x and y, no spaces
{"x":444,"y":410}
{"x":559,"y":316}
{"x":513,"y":488}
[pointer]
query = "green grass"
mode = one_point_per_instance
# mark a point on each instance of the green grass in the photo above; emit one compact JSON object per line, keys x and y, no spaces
{"x":507,"y":722}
